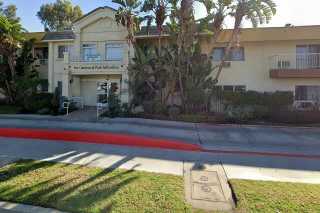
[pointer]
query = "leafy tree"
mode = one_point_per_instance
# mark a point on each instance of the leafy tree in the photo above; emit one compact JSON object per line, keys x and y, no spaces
{"x":157,"y":11}
{"x":114,"y":105}
{"x":256,"y":11}
{"x":183,"y":33}
{"x":59,"y":15}
{"x":27,"y":76}
{"x":19,"y":77}
{"x":181,"y":67}
{"x":183,"y":30}
{"x":198,"y":83}
{"x":128,"y":16}
{"x":142,"y":74}
{"x":11,"y":37}
{"x":9,"y":11}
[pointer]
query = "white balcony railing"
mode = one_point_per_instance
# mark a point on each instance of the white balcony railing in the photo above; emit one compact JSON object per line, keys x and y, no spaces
{"x":87,"y":58}
{"x":295,"y":61}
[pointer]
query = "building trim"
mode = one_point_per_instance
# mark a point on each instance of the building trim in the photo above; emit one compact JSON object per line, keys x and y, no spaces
{"x":91,"y":12}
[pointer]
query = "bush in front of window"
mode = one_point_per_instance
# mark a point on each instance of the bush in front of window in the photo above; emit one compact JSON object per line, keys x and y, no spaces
{"x":253,"y":106}
{"x":277,"y":99}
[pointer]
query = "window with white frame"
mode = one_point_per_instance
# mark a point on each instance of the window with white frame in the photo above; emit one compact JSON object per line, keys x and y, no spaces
{"x":114,"y":52}
{"x":61,"y":50}
{"x":236,"y":54}
{"x":89,"y":52}
{"x":217,"y":53}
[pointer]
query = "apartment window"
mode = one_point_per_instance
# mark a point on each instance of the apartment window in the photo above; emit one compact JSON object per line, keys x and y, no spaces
{"x":217,"y":54}
{"x":1,"y":59}
{"x":308,"y":56}
{"x":89,"y":52}
{"x":61,"y":50}
{"x":41,"y":53}
{"x":114,"y":52}
{"x":236,"y":54}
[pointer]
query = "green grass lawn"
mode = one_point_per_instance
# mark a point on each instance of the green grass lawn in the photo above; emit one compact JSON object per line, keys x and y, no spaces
{"x":77,"y":188}
{"x":273,"y":197}
{"x":9,"y":109}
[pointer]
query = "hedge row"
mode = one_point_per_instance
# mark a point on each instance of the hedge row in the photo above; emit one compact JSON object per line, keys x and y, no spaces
{"x":253,"y":98}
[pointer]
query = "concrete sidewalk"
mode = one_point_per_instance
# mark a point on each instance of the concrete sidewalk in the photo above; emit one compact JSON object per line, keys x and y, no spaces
{"x":237,"y":166}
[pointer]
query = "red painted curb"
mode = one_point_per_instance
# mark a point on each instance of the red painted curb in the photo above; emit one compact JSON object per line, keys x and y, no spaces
{"x":98,"y":138}
{"x":127,"y":140}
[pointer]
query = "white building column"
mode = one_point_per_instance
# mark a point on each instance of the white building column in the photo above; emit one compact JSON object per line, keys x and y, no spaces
{"x":66,"y":76}
{"x":51,"y":86}
{"x":66,"y":84}
{"x":124,"y":88}
{"x":77,"y":44}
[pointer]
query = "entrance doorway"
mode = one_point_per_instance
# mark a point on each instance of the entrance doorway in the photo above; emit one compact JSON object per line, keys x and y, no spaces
{"x":96,"y":91}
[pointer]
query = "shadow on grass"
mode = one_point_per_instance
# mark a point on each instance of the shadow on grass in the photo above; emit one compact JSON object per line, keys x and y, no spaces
{"x":70,"y":189}
{"x":21,"y":167}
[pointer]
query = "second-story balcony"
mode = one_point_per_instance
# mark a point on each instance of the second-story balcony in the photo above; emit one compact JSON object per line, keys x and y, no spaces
{"x":295,"y":65}
{"x":93,"y":64}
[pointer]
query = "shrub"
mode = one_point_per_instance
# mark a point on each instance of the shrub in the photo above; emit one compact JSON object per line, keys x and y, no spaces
{"x":55,"y":102}
{"x":124,"y":112}
{"x":252,"y":105}
{"x":37,"y":102}
{"x":174,"y":111}
{"x":155,"y":107}
{"x":270,"y":100}
{"x":239,"y":114}
{"x":114,"y":104}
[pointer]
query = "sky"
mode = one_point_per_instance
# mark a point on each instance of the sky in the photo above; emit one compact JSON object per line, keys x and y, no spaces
{"x":288,"y":11}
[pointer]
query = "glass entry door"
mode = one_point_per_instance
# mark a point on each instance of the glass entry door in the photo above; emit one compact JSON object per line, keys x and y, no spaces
{"x":102,"y":91}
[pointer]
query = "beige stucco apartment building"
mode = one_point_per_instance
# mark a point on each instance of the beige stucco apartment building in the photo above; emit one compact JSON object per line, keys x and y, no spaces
{"x":96,"y":52}
{"x":80,"y":61}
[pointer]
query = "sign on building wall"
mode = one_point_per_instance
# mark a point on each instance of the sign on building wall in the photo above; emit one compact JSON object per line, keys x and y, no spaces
{"x":93,"y":68}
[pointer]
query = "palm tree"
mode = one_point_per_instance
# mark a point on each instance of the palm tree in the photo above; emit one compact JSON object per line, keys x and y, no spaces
{"x":158,"y":9}
{"x":257,"y":11}
{"x":11,"y":37}
{"x":216,"y":14}
{"x":141,"y":71}
{"x":128,"y":16}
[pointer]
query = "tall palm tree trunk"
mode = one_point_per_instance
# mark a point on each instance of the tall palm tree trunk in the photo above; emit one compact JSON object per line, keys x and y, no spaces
{"x":235,"y":33}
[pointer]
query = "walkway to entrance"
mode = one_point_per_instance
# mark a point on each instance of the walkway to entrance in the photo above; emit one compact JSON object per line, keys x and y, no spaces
{"x":86,"y":114}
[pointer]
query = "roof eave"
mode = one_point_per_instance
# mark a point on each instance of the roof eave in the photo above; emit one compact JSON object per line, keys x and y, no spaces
{"x":57,"y":40}
{"x":91,"y":12}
